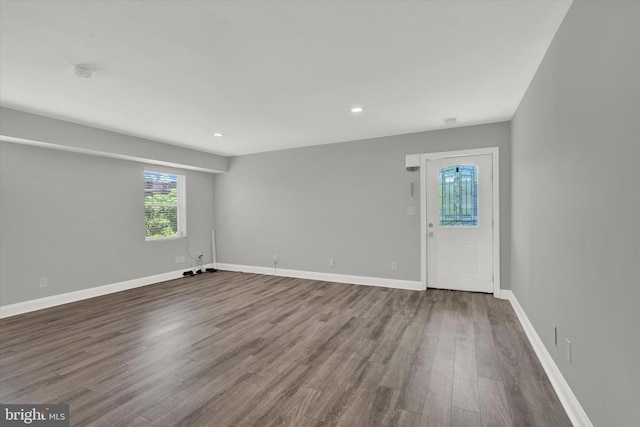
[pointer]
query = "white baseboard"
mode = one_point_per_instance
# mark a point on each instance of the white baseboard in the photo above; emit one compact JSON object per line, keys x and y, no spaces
{"x":327,"y":277}
{"x":54,"y":300}
{"x":569,"y":401}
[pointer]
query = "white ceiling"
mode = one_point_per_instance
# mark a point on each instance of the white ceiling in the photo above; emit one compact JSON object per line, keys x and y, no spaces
{"x":271,"y":75}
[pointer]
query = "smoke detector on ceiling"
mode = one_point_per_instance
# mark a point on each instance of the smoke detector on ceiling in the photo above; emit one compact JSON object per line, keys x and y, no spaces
{"x":83,"y":71}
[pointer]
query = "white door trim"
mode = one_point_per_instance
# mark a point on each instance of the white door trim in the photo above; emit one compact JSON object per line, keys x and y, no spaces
{"x":495,"y":158}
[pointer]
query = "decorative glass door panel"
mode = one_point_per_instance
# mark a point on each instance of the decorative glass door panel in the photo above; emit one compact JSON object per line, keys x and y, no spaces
{"x":458,"y":196}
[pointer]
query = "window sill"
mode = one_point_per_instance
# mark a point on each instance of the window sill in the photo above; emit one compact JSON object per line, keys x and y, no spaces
{"x":163,"y":239}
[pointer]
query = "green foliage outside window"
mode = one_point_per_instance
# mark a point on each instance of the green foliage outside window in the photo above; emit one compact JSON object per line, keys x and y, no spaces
{"x":162,"y":221}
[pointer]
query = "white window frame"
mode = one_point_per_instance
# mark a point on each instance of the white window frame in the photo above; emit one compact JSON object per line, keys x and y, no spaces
{"x":182,"y":206}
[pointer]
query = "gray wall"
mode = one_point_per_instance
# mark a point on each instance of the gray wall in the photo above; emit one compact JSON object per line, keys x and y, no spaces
{"x":576,"y":197}
{"x":347,"y":201}
{"x":79,"y":221}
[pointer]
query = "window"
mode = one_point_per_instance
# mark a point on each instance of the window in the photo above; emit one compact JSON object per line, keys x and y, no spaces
{"x":165,"y":205}
{"x":458,"y":188}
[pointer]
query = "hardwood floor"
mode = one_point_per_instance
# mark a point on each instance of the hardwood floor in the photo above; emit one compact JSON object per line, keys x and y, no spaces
{"x":244,"y":349}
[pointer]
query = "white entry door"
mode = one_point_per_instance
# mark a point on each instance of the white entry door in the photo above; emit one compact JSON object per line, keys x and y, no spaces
{"x":459,"y":216}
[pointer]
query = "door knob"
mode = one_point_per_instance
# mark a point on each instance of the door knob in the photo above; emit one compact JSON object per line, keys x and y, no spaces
{"x":430,"y":225}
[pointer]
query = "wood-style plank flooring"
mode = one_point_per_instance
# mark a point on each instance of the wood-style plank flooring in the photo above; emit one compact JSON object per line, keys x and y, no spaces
{"x":244,"y":349}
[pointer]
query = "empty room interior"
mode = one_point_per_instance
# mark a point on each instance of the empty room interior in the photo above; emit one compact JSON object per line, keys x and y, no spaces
{"x":314,"y":213}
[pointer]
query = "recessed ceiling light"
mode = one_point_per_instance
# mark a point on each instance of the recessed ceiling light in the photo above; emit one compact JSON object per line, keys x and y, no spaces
{"x":356,"y":109}
{"x":450,"y":121}
{"x":83,"y":71}
{"x":217,"y":134}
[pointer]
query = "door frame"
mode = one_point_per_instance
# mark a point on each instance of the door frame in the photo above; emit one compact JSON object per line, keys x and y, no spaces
{"x":495,"y":160}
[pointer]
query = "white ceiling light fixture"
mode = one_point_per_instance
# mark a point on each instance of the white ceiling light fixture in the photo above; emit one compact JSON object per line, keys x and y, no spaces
{"x":218,"y":134}
{"x":83,"y":71}
{"x":357,"y":109}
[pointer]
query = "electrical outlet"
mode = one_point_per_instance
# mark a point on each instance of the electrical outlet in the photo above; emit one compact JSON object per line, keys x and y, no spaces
{"x":555,"y":335}
{"x":567,"y":350}
{"x":331,"y":262}
{"x":179,"y":259}
{"x":394,"y":266}
{"x":275,"y":257}
{"x":44,"y":282}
